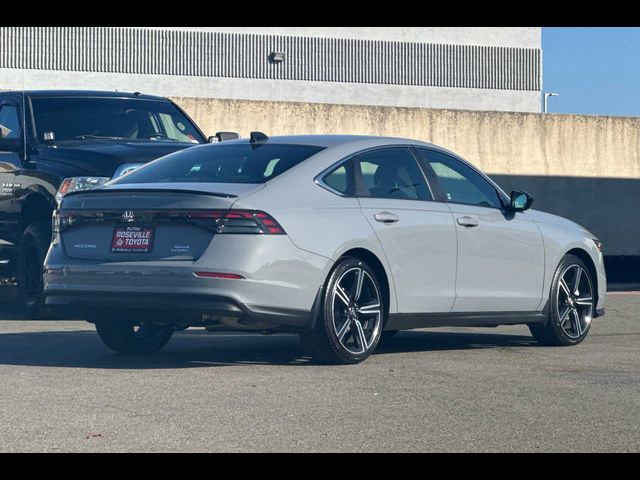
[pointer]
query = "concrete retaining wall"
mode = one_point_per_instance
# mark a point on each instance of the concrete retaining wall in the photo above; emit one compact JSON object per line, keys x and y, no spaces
{"x":586,"y":168}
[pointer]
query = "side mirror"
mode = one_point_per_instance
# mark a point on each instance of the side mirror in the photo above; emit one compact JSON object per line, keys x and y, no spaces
{"x":520,"y":201}
{"x":223,"y":137}
{"x":10,"y":144}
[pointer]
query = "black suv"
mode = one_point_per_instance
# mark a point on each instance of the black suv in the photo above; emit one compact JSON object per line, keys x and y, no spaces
{"x":54,"y":142}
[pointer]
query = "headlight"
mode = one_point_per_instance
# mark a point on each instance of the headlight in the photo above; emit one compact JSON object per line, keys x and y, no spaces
{"x":76,"y":184}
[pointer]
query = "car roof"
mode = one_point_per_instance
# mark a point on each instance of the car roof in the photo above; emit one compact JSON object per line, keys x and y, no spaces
{"x":359,"y":142}
{"x":329,"y":141}
{"x":86,"y":93}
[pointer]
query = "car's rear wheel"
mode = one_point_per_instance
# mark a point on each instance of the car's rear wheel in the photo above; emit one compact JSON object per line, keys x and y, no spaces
{"x":124,"y":337}
{"x":350,"y":321}
{"x":571,"y":305}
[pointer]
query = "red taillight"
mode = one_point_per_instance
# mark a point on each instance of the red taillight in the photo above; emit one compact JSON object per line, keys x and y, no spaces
{"x":226,"y":221}
{"x":214,"y":214}
{"x":273,"y":227}
{"x":218,"y":221}
{"x":228,"y":276}
{"x":238,"y":214}
{"x":62,"y":219}
{"x":249,"y":221}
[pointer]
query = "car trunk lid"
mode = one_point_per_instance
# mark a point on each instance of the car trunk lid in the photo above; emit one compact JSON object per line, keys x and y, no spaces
{"x":132,"y":223}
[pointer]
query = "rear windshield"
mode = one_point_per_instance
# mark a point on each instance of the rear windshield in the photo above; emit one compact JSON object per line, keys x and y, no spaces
{"x":220,"y":163}
{"x":76,"y":118}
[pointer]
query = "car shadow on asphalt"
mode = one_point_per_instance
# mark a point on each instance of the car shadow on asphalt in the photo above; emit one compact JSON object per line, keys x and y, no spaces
{"x":198,"y":348}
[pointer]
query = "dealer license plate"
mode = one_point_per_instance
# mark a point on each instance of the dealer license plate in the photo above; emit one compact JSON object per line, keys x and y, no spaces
{"x":132,"y":239}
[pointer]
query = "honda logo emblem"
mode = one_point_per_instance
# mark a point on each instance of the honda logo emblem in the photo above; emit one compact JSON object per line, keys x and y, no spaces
{"x":128,"y":216}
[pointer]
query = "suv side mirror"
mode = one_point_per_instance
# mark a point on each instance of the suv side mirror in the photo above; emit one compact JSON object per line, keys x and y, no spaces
{"x":520,"y":201}
{"x":10,"y":144}
{"x":223,"y":137}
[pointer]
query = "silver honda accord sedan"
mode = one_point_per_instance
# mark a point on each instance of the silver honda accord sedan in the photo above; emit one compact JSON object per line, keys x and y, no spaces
{"x":342,"y":239}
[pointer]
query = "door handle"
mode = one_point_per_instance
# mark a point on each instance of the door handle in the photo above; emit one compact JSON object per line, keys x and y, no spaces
{"x":386,"y":217}
{"x":467,"y":221}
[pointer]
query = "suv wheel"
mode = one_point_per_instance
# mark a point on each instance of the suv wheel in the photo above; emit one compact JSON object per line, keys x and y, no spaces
{"x":31,"y":252}
{"x":350,"y":322}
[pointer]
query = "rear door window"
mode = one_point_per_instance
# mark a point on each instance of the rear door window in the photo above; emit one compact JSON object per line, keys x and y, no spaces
{"x":392,"y":173}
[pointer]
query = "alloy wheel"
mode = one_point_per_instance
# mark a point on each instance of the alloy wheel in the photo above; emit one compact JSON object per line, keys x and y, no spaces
{"x":574,"y":301}
{"x":356,"y":310}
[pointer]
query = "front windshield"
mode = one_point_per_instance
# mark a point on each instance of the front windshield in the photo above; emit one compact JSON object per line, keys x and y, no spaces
{"x":62,"y":119}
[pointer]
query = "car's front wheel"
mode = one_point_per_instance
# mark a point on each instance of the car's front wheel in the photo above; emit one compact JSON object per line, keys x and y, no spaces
{"x":123,"y":337}
{"x":350,"y":322}
{"x":571,"y":305}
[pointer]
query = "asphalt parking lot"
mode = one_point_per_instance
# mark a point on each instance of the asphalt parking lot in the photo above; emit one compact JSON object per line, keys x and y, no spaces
{"x":427,"y":390}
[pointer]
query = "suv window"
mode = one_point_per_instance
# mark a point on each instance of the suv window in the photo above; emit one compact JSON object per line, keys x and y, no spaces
{"x":220,"y":163}
{"x":461,"y":184}
{"x":80,"y":118}
{"x":9,"y":121}
{"x":392,"y":173}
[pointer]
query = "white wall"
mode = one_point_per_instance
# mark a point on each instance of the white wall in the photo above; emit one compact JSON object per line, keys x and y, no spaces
{"x":523,"y":37}
{"x":282,"y":90}
{"x":478,"y":68}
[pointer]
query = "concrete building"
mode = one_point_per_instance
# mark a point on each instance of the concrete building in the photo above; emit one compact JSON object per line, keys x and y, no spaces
{"x":492,"y":68}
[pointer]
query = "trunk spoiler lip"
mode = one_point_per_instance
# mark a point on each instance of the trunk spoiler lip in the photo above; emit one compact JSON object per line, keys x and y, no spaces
{"x":151,"y":190}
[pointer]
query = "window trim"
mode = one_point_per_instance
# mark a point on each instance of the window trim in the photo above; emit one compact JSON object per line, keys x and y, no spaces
{"x":502,"y":196}
{"x":356,"y":180}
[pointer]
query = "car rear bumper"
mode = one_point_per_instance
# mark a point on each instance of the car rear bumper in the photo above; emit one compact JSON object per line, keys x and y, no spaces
{"x":276,"y":284}
{"x":186,"y":309}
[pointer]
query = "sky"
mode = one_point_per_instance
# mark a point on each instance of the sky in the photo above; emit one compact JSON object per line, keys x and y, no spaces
{"x":596,"y":70}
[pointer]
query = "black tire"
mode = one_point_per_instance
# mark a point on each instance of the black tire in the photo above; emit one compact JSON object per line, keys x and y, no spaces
{"x":552,"y":333}
{"x":31,"y":253}
{"x":322,"y":342}
{"x":123,"y":337}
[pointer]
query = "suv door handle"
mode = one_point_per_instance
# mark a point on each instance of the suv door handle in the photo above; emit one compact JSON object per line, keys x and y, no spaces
{"x":386,"y":217}
{"x":467,"y":221}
